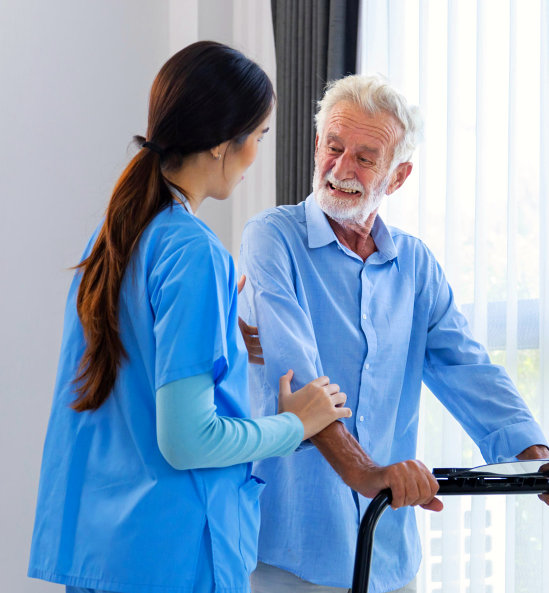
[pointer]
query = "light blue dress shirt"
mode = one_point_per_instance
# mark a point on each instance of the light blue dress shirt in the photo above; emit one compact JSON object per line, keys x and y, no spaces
{"x":112,"y":513}
{"x":377,"y":328}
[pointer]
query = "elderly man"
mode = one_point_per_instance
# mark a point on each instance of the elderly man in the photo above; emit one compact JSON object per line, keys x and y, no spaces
{"x":334,"y":291}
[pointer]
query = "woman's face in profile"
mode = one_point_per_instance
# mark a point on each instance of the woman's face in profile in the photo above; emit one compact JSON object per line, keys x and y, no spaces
{"x":239,"y":157}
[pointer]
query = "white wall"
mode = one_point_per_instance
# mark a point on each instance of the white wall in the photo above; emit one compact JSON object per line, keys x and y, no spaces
{"x":75,"y":77}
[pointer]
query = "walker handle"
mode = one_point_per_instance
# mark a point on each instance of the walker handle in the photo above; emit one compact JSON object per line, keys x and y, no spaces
{"x":448,"y":485}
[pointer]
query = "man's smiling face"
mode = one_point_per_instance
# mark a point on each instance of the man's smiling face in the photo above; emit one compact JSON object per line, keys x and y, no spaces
{"x":352,"y":161}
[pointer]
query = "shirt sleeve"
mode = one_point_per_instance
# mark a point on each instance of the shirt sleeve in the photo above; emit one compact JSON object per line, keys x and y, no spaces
{"x":191,"y":435}
{"x":479,"y":394}
{"x":191,"y":288}
{"x":270,"y":301}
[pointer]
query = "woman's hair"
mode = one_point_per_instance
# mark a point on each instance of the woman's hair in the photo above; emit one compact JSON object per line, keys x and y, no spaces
{"x":373,"y":94}
{"x":204,"y":95}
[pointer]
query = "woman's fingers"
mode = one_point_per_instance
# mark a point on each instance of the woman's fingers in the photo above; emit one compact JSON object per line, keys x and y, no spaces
{"x":343,"y":412}
{"x":316,"y":404}
{"x":240,"y":283}
{"x":339,"y":398}
{"x":284,"y":384}
{"x":321,"y":381}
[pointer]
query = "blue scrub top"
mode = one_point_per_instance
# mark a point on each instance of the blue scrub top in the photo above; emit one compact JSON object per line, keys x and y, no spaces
{"x":112,"y":514}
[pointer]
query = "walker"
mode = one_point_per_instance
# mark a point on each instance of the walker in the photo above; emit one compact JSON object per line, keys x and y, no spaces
{"x":518,"y":477}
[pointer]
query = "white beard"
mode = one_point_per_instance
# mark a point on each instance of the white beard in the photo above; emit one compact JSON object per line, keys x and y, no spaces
{"x":352,"y":209}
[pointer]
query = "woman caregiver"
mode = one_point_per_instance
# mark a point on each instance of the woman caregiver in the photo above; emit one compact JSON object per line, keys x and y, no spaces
{"x":145,"y":483}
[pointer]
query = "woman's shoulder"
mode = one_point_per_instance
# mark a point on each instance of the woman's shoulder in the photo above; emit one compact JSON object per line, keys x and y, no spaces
{"x":176,"y":235}
{"x":175,"y":228}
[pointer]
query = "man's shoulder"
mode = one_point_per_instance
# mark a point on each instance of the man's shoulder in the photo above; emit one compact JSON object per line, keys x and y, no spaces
{"x":406,"y":243}
{"x":283,"y":222}
{"x":293,"y":214}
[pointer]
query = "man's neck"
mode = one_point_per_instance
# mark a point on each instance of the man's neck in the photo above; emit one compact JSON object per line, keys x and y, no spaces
{"x":356,"y":237}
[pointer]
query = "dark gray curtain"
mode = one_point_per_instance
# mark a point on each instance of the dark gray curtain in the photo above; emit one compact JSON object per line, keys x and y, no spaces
{"x":315,"y":42}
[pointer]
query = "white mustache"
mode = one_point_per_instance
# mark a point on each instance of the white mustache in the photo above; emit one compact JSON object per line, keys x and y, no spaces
{"x":350,"y":184}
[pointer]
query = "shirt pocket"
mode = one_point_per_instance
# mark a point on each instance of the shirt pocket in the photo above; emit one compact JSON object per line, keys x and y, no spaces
{"x":249,"y":520}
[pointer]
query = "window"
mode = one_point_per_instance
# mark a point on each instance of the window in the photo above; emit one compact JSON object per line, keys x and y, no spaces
{"x":479,"y":199}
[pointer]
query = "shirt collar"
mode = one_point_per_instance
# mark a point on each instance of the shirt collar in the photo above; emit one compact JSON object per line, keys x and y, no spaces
{"x":182,"y":198}
{"x":320,"y":233}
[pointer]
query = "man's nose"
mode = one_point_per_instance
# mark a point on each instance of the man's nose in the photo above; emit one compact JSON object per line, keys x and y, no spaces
{"x":344,"y":167}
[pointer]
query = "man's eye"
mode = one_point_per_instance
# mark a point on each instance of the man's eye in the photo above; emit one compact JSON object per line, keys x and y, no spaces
{"x":334,"y":149}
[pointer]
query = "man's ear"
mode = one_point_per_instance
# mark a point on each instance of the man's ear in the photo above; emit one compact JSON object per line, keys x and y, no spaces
{"x":399,"y":176}
{"x":316,"y":144}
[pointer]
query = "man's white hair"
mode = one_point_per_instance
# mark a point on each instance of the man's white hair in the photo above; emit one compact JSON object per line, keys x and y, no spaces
{"x":372,"y":94}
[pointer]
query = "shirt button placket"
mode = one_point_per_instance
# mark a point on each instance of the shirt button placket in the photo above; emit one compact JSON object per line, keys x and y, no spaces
{"x":365,"y":323}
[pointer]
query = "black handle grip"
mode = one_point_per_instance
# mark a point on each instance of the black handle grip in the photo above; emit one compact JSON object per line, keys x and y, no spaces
{"x":472,"y":485}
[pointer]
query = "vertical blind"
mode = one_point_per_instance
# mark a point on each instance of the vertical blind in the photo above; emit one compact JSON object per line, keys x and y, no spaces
{"x":479,"y":198}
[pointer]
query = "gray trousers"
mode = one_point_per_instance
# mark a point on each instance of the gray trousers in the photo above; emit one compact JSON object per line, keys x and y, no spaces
{"x":270,"y":579}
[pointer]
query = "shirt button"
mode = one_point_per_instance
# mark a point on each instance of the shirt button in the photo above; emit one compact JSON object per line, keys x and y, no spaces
{"x":361,"y":418}
{"x":367,"y":366}
{"x":364,"y":316}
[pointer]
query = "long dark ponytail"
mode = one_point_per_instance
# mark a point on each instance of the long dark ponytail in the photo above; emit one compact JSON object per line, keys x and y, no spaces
{"x":204,"y":95}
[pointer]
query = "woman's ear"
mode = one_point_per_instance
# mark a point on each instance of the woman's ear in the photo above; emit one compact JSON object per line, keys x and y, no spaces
{"x":218,"y":151}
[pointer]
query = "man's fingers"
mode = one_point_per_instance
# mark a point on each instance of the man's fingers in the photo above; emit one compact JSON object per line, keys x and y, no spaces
{"x":412,"y":494}
{"x":398,"y":494}
{"x":428,"y":486}
{"x":250,"y":330}
{"x":254,"y":348}
{"x":251,"y":340}
{"x":255,"y":359}
{"x":332,"y":388}
{"x":435,"y":505}
{"x":411,"y":484}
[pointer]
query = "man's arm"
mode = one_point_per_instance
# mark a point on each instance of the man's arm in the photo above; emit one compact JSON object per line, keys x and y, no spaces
{"x":288,"y":341}
{"x":479,"y":394}
{"x":411,"y":483}
{"x":534,"y":452}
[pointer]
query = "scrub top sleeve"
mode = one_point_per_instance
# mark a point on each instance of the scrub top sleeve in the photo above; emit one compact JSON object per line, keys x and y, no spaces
{"x":191,"y":288}
{"x":191,"y":435}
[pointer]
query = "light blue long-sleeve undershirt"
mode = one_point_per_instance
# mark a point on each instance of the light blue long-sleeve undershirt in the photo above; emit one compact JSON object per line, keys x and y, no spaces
{"x":191,"y":435}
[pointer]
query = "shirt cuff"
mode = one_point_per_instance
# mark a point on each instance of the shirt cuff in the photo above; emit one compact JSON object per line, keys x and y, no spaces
{"x":507,"y":442}
{"x":299,"y":431}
